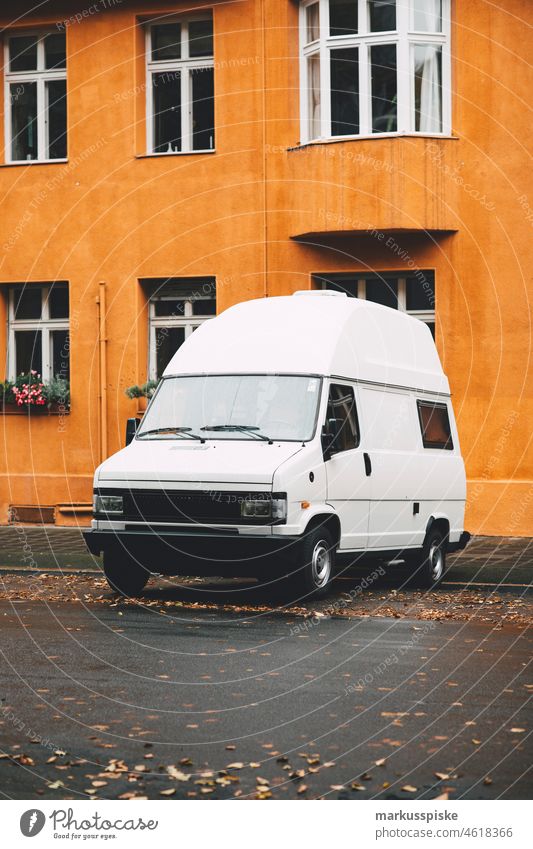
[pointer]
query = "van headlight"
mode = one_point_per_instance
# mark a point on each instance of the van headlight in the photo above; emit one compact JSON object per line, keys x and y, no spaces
{"x":267,"y":508}
{"x":108,"y":504}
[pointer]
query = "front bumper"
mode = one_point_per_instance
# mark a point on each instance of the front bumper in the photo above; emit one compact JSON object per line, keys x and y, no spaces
{"x":205,"y":552}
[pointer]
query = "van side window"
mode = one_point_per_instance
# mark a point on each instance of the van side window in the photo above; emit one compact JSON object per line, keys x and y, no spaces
{"x":435,"y":425}
{"x":341,"y":405}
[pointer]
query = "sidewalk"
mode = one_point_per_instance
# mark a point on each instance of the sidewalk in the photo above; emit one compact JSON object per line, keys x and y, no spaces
{"x":491,"y":560}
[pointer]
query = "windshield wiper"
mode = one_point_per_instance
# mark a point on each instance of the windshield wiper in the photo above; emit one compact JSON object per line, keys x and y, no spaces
{"x":250,"y":429}
{"x":183,"y":431}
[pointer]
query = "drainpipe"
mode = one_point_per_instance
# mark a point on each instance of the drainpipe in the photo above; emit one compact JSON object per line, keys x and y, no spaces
{"x":102,"y":341}
{"x":264,"y":143}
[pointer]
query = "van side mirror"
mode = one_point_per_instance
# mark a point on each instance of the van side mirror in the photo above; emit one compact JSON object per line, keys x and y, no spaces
{"x":131,"y":429}
{"x":329,"y":436}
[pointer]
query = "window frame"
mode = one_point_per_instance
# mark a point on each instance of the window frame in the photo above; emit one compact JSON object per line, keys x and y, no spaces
{"x":40,"y":76}
{"x":188,"y":320}
{"x":427,"y":316}
{"x":349,"y":388}
{"x":44,"y":324}
{"x":184,"y":66}
{"x":439,"y":446}
{"x":405,"y":37}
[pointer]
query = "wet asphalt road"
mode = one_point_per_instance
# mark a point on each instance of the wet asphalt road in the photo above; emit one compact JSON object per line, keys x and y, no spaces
{"x":329,"y":697}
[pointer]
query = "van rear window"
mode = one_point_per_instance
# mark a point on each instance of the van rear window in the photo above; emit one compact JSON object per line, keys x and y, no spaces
{"x":435,"y":425}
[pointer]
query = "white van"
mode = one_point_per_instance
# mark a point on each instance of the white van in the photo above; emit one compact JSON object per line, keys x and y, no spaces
{"x":285,"y":432}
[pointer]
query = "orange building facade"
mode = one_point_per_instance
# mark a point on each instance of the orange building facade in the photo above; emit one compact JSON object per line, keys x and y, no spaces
{"x":163,"y":161}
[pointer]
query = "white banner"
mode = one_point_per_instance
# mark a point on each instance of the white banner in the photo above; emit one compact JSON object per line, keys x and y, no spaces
{"x":416,"y":825}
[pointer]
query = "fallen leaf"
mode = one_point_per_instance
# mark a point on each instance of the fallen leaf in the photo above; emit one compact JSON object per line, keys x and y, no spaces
{"x":381,"y":762}
{"x":177,"y":774}
{"x":408,"y":788}
{"x":168,"y":792}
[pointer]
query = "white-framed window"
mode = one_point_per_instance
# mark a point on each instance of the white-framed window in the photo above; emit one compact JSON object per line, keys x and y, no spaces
{"x":374,"y":68}
{"x":35,"y":96}
{"x":177,"y":307}
{"x":180,"y":85}
{"x":38,"y":330}
{"x":411,"y":293}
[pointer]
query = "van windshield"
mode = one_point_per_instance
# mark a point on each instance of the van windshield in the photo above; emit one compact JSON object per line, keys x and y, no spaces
{"x":237,"y":406}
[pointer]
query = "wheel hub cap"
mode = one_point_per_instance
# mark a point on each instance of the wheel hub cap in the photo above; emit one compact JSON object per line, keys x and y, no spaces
{"x":321,"y":564}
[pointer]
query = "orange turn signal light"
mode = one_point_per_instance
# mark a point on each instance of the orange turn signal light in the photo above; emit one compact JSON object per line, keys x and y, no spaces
{"x":305,"y":504}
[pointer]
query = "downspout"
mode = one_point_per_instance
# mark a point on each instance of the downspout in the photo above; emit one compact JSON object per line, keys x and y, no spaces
{"x":102,"y":352}
{"x":264,"y":142}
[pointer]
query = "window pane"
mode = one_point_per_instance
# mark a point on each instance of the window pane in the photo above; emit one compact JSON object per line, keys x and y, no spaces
{"x":435,"y":425}
{"x":383,"y":292}
{"x":201,"y":38}
{"x":420,"y":293}
{"x":313,"y":96}
{"x":166,"y":42}
{"x":56,"y":99}
{"x":167,"y":342}
{"x":28,"y":351}
{"x":382,"y":15}
{"x":427,"y":15}
{"x":23,"y":120}
{"x":384,"y":88}
{"x":55,"y":55}
{"x":60,"y":354}
{"x":203,"y":109}
{"x":167,"y":111}
{"x":428,"y":88}
{"x":23,"y":53}
{"x":312,"y":21}
{"x":204,"y":306}
{"x":341,"y":405}
{"x":28,"y":303}
{"x":344,"y":92}
{"x":342,"y":17}
{"x":58,"y":301}
{"x":170,"y":307}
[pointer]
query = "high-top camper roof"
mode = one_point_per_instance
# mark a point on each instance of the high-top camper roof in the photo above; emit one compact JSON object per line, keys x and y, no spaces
{"x":315,"y":332}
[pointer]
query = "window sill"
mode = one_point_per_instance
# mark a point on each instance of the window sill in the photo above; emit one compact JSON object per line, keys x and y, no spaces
{"x":340,"y":139}
{"x":19,"y":162}
{"x":174,"y":153}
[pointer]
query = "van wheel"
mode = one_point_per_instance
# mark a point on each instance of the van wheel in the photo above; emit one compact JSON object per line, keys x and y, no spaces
{"x":317,"y":565}
{"x":124,"y":574}
{"x":429,"y":563}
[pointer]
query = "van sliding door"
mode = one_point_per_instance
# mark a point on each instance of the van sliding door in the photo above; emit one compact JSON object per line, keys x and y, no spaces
{"x":391,"y":442}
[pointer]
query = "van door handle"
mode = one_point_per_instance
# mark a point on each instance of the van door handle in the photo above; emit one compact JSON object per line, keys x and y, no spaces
{"x":368,"y":464}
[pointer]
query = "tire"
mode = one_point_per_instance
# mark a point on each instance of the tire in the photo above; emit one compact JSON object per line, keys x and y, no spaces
{"x":124,"y":574}
{"x":317,"y":564}
{"x":429,"y":563}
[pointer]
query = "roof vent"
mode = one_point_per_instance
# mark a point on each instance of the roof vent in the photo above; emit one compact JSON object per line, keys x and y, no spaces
{"x":321,"y":293}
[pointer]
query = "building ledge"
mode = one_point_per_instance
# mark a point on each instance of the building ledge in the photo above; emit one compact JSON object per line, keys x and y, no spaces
{"x":374,"y":232}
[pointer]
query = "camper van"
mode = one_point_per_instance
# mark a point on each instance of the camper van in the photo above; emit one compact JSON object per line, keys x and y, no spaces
{"x":285,"y":433}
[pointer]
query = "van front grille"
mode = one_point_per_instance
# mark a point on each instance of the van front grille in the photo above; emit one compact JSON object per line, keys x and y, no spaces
{"x":188,"y":506}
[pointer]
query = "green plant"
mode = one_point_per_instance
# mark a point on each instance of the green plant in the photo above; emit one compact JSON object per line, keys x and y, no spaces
{"x":146,"y":390}
{"x":57,"y":391}
{"x":7,"y":396}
